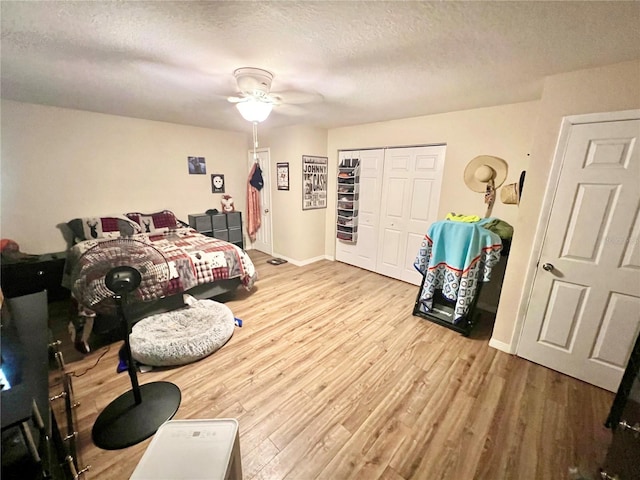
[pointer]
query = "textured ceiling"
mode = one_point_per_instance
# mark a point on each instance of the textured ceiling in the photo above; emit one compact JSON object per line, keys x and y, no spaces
{"x":362,"y":61}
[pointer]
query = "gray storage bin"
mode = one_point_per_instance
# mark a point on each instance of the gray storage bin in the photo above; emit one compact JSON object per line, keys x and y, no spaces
{"x":219,"y":221}
{"x":234,"y":220}
{"x":235,"y":235}
{"x":201,"y":223}
{"x":221,"y":234}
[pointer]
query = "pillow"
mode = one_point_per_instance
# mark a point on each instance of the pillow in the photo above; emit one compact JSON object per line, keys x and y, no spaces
{"x":87,"y":228}
{"x":158,"y":222}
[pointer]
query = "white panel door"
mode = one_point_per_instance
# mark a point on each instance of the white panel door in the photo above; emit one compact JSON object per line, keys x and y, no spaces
{"x":410,"y":194}
{"x":363,"y":253}
{"x":264,"y":242}
{"x":584,"y":310}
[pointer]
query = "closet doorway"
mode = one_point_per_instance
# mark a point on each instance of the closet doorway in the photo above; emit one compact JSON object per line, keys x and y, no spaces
{"x":399,"y":192}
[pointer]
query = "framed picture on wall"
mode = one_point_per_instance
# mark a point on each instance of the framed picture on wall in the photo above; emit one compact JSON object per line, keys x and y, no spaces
{"x":314,"y":182}
{"x":282,"y":170}
{"x":197,"y":165}
{"x":217,"y":183}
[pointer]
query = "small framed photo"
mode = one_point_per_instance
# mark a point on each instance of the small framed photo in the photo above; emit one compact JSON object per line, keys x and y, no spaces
{"x":282,"y":170}
{"x":217,"y":183}
{"x":197,"y":165}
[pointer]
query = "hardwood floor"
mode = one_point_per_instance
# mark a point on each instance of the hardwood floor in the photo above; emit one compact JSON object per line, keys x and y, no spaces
{"x":331,"y":377}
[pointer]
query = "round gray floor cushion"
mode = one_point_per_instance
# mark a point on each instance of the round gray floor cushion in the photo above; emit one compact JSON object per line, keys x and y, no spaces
{"x":182,"y":336}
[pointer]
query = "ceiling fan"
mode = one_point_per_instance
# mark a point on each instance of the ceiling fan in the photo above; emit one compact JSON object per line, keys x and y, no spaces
{"x":254,"y":84}
{"x":255,"y":96}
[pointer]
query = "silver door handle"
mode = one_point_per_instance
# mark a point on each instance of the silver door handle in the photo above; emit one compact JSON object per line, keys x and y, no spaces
{"x":266,"y":210}
{"x":604,"y":475}
{"x":548,"y":267}
{"x":627,"y":426}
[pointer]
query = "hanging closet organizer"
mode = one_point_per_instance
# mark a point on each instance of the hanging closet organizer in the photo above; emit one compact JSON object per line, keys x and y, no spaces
{"x":348,"y":198}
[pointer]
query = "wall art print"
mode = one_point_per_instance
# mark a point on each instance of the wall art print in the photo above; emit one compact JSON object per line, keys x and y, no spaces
{"x":314,"y":182}
{"x":282,"y":170}
{"x":197,"y":165}
{"x":217,"y":183}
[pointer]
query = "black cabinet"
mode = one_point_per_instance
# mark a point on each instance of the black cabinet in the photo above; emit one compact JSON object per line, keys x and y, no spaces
{"x":225,"y":226}
{"x":38,"y":408}
{"x":623,"y":455}
{"x":34,"y":274}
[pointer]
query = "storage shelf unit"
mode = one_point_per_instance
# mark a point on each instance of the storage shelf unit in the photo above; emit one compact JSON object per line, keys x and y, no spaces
{"x":225,"y":226}
{"x":348,"y":198}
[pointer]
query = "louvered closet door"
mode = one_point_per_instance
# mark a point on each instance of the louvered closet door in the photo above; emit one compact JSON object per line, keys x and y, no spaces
{"x":411,"y":186}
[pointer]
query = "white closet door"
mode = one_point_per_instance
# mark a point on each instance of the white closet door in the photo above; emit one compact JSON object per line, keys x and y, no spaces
{"x":363,"y":253}
{"x":411,"y":185}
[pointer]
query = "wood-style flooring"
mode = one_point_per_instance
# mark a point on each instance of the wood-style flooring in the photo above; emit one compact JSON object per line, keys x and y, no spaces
{"x":331,"y":377}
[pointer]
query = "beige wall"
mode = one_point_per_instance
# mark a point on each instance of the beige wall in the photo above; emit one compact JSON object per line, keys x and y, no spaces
{"x":58,"y":164}
{"x":298,"y":235}
{"x":505,"y":131}
{"x":606,"y":89}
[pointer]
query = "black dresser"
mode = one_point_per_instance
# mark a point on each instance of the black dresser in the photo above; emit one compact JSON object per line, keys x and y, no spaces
{"x":38,"y":407}
{"x":34,"y":274}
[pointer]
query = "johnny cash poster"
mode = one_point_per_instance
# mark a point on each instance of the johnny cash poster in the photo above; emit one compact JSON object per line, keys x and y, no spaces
{"x":314,"y":182}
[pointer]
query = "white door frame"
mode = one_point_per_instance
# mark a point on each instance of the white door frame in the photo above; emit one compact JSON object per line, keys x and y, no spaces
{"x":264,"y":192}
{"x":547,"y":204}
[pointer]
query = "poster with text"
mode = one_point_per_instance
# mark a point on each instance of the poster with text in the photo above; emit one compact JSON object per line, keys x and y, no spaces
{"x":314,"y":182}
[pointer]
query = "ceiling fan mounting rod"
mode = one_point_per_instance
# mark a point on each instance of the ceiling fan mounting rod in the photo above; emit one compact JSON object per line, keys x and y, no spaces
{"x":255,"y":141}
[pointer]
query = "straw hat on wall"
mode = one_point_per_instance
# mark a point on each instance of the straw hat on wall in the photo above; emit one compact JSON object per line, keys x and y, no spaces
{"x":483,"y":168}
{"x":510,"y":194}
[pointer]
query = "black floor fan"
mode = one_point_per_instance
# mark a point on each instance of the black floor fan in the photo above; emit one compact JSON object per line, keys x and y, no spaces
{"x":106,"y":281}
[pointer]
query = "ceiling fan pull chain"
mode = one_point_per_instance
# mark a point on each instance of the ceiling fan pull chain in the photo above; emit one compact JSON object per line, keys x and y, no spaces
{"x":255,"y":141}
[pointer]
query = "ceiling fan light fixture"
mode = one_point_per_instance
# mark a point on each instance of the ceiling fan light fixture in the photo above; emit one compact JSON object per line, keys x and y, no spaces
{"x":254,"y":110}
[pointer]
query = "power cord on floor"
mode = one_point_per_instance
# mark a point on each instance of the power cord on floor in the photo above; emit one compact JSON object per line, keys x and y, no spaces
{"x":106,"y":350}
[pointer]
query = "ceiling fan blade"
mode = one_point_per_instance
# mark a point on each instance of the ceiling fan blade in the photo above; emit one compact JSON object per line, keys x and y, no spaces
{"x":273,"y":99}
{"x":237,"y":99}
{"x":297,"y":97}
{"x":290,"y":110}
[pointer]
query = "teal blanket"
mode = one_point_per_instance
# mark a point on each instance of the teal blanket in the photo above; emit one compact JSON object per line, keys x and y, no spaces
{"x":454,"y":257}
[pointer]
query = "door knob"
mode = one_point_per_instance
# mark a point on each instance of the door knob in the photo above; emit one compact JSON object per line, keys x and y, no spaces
{"x":627,"y":426}
{"x":548,"y":267}
{"x":266,"y":210}
{"x":605,"y":476}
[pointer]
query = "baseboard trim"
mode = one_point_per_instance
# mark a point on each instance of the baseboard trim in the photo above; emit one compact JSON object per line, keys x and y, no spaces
{"x":503,"y":347}
{"x":302,"y":263}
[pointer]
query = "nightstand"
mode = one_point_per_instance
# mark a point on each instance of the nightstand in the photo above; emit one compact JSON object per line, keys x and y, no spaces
{"x":34,"y":274}
{"x":225,"y":226}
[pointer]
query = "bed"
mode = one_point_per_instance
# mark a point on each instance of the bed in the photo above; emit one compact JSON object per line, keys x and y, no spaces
{"x":199,"y":265}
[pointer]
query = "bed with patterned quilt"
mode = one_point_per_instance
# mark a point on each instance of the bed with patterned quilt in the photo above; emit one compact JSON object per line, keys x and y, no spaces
{"x":199,"y":265}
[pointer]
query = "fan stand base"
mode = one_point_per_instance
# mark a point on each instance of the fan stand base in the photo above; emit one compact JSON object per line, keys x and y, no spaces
{"x":123,"y":423}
